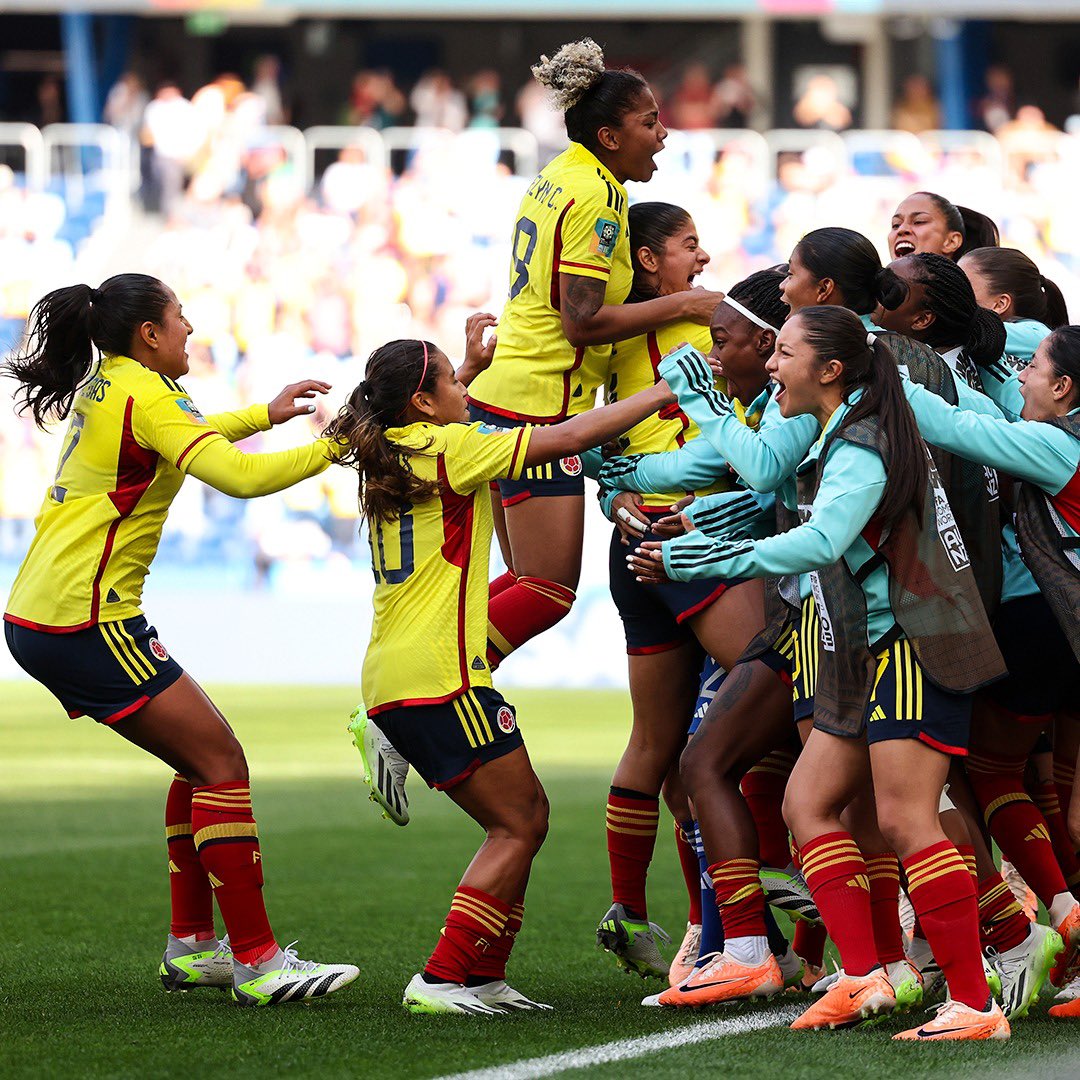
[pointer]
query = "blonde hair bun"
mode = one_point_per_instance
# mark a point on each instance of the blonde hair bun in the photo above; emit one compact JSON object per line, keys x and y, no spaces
{"x":575,"y":68}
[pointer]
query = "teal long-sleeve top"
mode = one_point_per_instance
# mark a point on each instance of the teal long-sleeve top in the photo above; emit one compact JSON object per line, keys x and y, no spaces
{"x":850,"y":492}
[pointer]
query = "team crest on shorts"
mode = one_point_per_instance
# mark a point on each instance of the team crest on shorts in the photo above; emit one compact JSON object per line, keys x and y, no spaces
{"x":571,"y":465}
{"x":506,"y":720}
{"x":158,"y":649}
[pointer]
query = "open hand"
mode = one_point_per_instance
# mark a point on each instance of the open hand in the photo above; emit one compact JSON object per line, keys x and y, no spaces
{"x":478,"y":356}
{"x":628,"y":518}
{"x":647,"y":563}
{"x":295,"y":400}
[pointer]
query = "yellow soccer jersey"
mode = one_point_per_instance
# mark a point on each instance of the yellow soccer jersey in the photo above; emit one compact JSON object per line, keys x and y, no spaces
{"x":132,"y":436}
{"x":572,"y":220}
{"x":635,"y":366}
{"x":429,"y":633}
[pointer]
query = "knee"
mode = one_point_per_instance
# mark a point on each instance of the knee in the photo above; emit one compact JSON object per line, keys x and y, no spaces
{"x":225,"y":764}
{"x":534,"y":822}
{"x":695,"y":768}
{"x":903,"y":830}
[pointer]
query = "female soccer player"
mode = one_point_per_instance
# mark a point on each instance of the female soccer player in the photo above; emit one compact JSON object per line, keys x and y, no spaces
{"x":74,"y":619}
{"x":571,"y":273}
{"x":424,"y":472}
{"x":896,"y":668}
{"x":925,"y":221}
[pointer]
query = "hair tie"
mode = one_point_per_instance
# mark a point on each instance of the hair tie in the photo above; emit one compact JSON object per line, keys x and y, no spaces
{"x":95,"y":296}
{"x":423,"y":376}
{"x":871,"y":339}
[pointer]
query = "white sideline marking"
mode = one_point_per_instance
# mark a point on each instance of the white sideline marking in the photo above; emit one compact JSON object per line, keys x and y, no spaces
{"x":532,"y":1068}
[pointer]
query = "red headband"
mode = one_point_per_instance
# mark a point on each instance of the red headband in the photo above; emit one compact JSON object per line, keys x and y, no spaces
{"x":423,"y":376}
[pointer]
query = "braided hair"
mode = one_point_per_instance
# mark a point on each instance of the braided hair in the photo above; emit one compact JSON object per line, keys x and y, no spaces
{"x":958,"y":319}
{"x":760,"y":293}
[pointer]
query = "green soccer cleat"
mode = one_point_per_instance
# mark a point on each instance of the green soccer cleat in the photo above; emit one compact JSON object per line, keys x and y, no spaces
{"x":922,"y":959}
{"x":185,"y":967}
{"x":787,"y":889}
{"x":385,"y":770}
{"x":1025,"y":968}
{"x":285,"y":978}
{"x":906,"y":983}
{"x":792,"y":967}
{"x":444,"y":998}
{"x":633,"y":943}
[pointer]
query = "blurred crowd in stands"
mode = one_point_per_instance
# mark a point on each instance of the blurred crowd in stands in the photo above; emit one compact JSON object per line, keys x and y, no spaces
{"x":283,"y":281}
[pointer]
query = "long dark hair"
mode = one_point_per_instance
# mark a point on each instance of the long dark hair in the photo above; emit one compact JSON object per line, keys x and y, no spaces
{"x":395,"y":372}
{"x":849,"y":259}
{"x":977,"y":229}
{"x":65,"y":325}
{"x":590,"y":95}
{"x":652,"y":225}
{"x":1010,"y":271}
{"x":1063,"y":352}
{"x":958,"y":319}
{"x":835,"y":333}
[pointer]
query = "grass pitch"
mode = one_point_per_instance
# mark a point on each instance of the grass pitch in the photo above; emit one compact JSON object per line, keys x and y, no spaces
{"x":83,"y":905}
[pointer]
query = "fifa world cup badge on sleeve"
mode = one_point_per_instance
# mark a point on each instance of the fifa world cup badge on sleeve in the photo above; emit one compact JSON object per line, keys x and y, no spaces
{"x":606,"y":234}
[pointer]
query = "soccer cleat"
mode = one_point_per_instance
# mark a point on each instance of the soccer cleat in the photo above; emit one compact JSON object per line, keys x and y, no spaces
{"x":633,"y":943}
{"x":184,"y":967}
{"x":956,"y":1021}
{"x":1069,"y":932}
{"x":851,"y":1001}
{"x":498,"y":995}
{"x":1069,"y":992}
{"x":792,"y":967}
{"x":922,"y":959}
{"x":445,"y":997}
{"x":385,"y":770}
{"x":787,"y":890}
{"x":1067,"y":1010}
{"x":285,"y":977}
{"x":993,"y":977}
{"x":725,"y":979}
{"x":907,"y":984}
{"x":1023,"y":970}
{"x":686,"y":957}
{"x":811,"y":977}
{"x":826,"y":980}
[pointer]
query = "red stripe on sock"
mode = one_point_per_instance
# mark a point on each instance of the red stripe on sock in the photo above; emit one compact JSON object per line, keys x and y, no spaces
{"x":492,"y":963}
{"x":883,"y":873}
{"x":1002,"y":922}
{"x":522,"y":610}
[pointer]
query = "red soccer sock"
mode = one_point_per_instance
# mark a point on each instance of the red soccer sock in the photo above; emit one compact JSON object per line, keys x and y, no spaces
{"x":1016,"y":822}
{"x":691,"y":869}
{"x":883,"y":874}
{"x":476,"y":921}
{"x":1002,"y":922}
{"x":519,"y":612}
{"x":632,"y":821}
{"x":940,"y":889}
{"x":501,"y":584}
{"x":1046,"y":799}
{"x":836,"y":873}
{"x":227,"y":840}
{"x":492,"y":963}
{"x":189,"y":887}
{"x":809,"y":942}
{"x":763,"y":789}
{"x":739,"y":897}
{"x":967,"y":853}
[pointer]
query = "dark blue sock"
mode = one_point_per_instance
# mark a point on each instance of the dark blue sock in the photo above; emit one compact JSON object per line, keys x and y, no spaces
{"x":712,"y":929}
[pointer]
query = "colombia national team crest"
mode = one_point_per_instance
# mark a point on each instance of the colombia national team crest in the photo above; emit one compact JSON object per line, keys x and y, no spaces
{"x":158,"y":650}
{"x":571,"y":466}
{"x":506,"y":720}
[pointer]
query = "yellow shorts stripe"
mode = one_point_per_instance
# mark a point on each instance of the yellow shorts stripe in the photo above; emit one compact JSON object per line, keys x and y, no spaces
{"x":482,"y":722}
{"x":465,"y":725}
{"x":137,"y":663}
{"x":135,"y":649}
{"x":119,"y":656}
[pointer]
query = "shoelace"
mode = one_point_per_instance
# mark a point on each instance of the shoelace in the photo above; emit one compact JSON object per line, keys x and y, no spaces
{"x":660,"y":932}
{"x":294,"y":963}
{"x":223,"y":950}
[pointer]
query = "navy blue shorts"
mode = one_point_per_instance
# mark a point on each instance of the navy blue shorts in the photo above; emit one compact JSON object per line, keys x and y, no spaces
{"x":807,"y":640}
{"x":1044,"y":676}
{"x":905,"y":704}
{"x":447,"y":743}
{"x":654,"y":616}
{"x":107,"y":671}
{"x":563,"y":477}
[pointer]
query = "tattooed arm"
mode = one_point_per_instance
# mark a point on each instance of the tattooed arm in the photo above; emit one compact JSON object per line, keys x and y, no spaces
{"x":587,"y":320}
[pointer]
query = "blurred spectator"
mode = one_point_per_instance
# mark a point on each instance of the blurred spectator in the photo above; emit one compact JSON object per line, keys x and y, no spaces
{"x":437,"y":103}
{"x":1029,"y":118}
{"x":266,"y":86}
{"x":174,"y":134}
{"x":735,"y":97}
{"x":50,"y":102}
{"x":694,"y":104}
{"x":125,"y":104}
{"x":484,"y":101}
{"x":542,"y":120}
{"x":917,"y":110}
{"x":998,"y":105}
{"x":375,"y":101}
{"x":820,"y":105}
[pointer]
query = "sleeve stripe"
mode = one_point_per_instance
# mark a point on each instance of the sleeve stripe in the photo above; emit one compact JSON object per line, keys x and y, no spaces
{"x":586,"y":266}
{"x":191,"y":446}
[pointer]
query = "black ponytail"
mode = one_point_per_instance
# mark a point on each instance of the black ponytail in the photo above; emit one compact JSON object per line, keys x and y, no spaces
{"x":835,"y":333}
{"x":651,"y":225}
{"x":64,"y":325}
{"x":976,"y":229}
{"x":395,"y":372}
{"x":852,"y":262}
{"x":1010,"y":272}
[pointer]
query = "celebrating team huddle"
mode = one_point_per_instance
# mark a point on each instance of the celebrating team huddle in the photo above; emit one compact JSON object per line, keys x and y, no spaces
{"x":846,"y":510}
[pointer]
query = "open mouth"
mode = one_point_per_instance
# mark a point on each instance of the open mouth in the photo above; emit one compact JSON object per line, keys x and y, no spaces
{"x":693,"y":276}
{"x":903,"y":248}
{"x":780,"y":390}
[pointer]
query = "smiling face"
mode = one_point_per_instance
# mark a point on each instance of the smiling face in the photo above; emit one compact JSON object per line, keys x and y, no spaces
{"x":800,"y":288}
{"x":632,"y":146}
{"x":912,"y":317}
{"x":919,"y":225}
{"x":163,"y":345}
{"x":679,"y":263}
{"x":741,"y":348}
{"x":1046,"y":393}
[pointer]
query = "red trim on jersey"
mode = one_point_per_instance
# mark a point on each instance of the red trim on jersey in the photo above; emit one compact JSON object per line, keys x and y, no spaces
{"x":404,"y":702}
{"x":579,"y":355}
{"x":585,"y":266}
{"x":672,"y":411}
{"x":955,"y":751}
{"x":556,"y":258}
{"x":1067,"y":501}
{"x":701,"y":605}
{"x":457,"y":517}
{"x":191,"y":446}
{"x":133,"y":707}
{"x":517,"y":450}
{"x":46,"y":629}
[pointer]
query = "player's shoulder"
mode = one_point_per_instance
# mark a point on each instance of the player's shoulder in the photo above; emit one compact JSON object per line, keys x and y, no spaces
{"x":675,"y":334}
{"x":583,"y":178}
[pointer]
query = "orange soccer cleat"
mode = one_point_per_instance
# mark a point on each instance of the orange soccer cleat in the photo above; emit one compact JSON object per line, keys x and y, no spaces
{"x":682,"y":967}
{"x":850,"y":1001}
{"x":725,"y":979}
{"x":1069,"y":929}
{"x":958,"y":1021}
{"x":1067,"y":1010}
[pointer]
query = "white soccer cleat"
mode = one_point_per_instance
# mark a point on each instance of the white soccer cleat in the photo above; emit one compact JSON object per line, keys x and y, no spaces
{"x":1069,"y":992}
{"x":1025,"y":968}
{"x":385,"y":770}
{"x":285,"y":978}
{"x":500,"y":996}
{"x":207,"y":963}
{"x":436,"y":998}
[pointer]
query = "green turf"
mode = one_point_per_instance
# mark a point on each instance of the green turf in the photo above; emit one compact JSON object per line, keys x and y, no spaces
{"x":83,"y":898}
